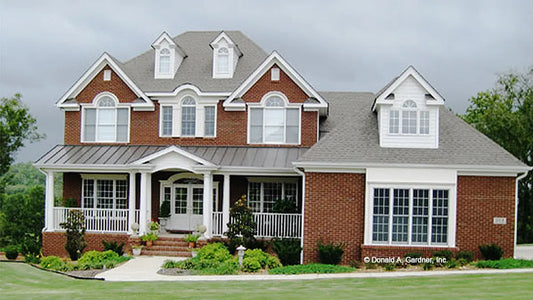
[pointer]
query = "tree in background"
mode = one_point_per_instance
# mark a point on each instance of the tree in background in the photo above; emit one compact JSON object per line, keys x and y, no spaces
{"x":16,"y":127}
{"x":505,"y":114}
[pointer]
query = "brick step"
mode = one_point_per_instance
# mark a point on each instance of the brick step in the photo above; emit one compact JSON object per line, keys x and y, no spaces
{"x":166,"y":253}
{"x":167,"y":248}
{"x":171,"y":243}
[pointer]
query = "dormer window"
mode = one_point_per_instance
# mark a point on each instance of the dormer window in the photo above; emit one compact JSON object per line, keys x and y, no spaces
{"x":164,"y":61}
{"x":409,"y":119}
{"x":105,"y":121}
{"x":223,"y":61}
{"x":274,"y":121}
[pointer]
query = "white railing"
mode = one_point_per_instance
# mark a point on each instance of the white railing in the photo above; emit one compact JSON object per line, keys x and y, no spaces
{"x":96,"y":219}
{"x":268,"y":225}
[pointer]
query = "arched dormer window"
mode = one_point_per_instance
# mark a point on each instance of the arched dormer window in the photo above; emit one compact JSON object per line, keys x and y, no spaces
{"x":164,"y":61}
{"x":223,"y":61}
{"x":188,"y":116}
{"x":274,"y":121}
{"x":409,"y":119}
{"x":105,"y":121}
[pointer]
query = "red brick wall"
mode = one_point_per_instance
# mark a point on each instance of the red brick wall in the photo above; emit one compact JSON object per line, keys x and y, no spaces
{"x":54,"y":242}
{"x":479,"y":200}
{"x":231,"y":126}
{"x":334,"y":212}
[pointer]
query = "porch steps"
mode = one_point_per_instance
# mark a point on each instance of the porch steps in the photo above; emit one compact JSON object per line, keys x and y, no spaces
{"x":170,"y":246}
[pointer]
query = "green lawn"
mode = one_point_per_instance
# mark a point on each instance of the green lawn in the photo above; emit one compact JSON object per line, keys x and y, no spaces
{"x":20,"y":281}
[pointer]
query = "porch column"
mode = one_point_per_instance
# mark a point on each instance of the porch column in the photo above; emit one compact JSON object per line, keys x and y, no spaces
{"x":208,"y":204}
{"x":225,"y":202}
{"x":49,"y":202}
{"x":146,"y":190}
{"x":131,"y":203}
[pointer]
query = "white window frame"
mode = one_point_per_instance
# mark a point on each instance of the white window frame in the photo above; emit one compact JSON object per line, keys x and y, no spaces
{"x":97,"y":177}
{"x":262,"y":181}
{"x":183,"y":105}
{"x":262,"y":105}
{"x":160,"y":63}
{"x":404,"y":110}
{"x":219,"y":54}
{"x":176,"y":105}
{"x":452,"y":207}
{"x":161,"y":121}
{"x":214,"y":123}
{"x":94,"y":105}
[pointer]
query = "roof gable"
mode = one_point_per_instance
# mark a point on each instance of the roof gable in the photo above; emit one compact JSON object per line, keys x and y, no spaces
{"x":233,"y":102}
{"x":104,"y":60}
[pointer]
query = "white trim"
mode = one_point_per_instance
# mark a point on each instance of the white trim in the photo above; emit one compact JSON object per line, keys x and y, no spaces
{"x":173,"y":149}
{"x":94,"y":105}
{"x":275,"y":58}
{"x":94,"y":69}
{"x":187,"y":86}
{"x":94,"y":176}
{"x":271,"y":179}
{"x":100,"y":168}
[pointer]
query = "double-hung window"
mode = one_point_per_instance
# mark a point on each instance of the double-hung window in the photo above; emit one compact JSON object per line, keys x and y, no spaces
{"x":222,"y":61}
{"x":104,"y":193}
{"x":185,"y":117}
{"x":410,"y":216}
{"x":164,"y":61}
{"x":274,"y":123}
{"x":188,"y":117}
{"x":262,"y":195}
{"x":409,"y":120}
{"x":209,"y":121}
{"x":106,"y":122}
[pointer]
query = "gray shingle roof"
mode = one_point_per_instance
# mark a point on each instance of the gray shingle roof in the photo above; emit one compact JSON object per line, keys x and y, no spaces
{"x":357,"y":141}
{"x":122,"y":155}
{"x":197,"y":67}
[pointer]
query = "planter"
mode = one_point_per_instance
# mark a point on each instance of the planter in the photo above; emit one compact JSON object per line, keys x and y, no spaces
{"x":192,"y":245}
{"x":194,"y":253}
{"x":136,"y":251}
{"x":163,"y":222}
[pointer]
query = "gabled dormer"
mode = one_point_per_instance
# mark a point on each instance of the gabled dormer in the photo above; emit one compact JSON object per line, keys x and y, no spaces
{"x":168,"y":57}
{"x":408,"y":112}
{"x":225,"y":56}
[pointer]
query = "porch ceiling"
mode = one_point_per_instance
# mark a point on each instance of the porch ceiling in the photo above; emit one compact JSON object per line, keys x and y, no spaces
{"x":63,"y":156}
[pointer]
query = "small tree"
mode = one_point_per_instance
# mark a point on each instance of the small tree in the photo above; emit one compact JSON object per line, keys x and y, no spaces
{"x":75,"y":227}
{"x":241,"y":230}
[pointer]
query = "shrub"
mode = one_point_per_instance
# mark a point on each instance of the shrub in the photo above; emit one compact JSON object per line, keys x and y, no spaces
{"x":113,"y":246}
{"x":311,"y":268}
{"x":355,"y":264}
{"x":447,"y":254}
{"x":491,"y":252}
{"x":287,"y":250}
{"x":31,"y":244}
{"x":427,"y":266}
{"x":452,"y":264}
{"x":241,"y":231}
{"x":264,"y":260}
{"x":507,"y":263}
{"x":149,"y":237}
{"x":250,"y":264}
{"x":75,"y":230}
{"x":371,"y":266}
{"x":413,"y":255}
{"x":97,"y":260}
{"x":389,"y":267}
{"x":211,"y":259}
{"x":164,"y":210}
{"x":330,"y":253}
{"x":286,"y":206}
{"x":462,"y":262}
{"x":52,"y":262}
{"x":12,"y":252}
{"x":468,"y":256}
{"x":32,"y":259}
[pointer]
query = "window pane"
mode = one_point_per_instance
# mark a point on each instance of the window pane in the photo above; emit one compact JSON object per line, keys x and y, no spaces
{"x":424,"y":122}
{"x":419,"y":229}
{"x":380,"y":226}
{"x":274,"y":101}
{"x":223,"y":63}
{"x":121,"y":197}
{"x":197,"y":201}
{"x":106,"y":101}
{"x":272,"y":192}
{"x":409,"y":122}
{"x":254,"y":196}
{"x":274,"y":125}
{"x":209,"y":121}
{"x":400,"y":217}
{"x":180,"y":200}
{"x":439,"y":221}
{"x":256,"y":125}
{"x":89,"y":133}
{"x":188,"y":121}
{"x":167,"y":120}
{"x":106,"y":116}
{"x":104,"y":194}
{"x":122,"y":124}
{"x":88,"y":193}
{"x":290,"y":192}
{"x":394,"y":121}
{"x":164,"y":64}
{"x":106,"y":133}
{"x":293,"y":121}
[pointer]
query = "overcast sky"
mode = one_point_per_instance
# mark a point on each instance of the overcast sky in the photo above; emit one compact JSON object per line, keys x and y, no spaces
{"x":459,"y":46}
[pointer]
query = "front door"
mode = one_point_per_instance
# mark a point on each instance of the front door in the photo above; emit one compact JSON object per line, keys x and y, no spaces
{"x":186,"y":206}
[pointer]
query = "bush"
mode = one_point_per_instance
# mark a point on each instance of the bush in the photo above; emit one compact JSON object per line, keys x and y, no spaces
{"x":75,"y":230}
{"x":287,"y":250}
{"x":462,"y":262}
{"x":285,"y":206}
{"x":12,"y":252}
{"x":211,"y":259}
{"x":491,"y":252}
{"x":97,"y":260}
{"x":250,"y":264}
{"x":311,"y":268}
{"x":31,"y":244}
{"x":413,"y":255}
{"x":52,"y":263}
{"x":389,"y":267}
{"x":256,"y":259}
{"x":507,"y":263}
{"x":452,"y":264}
{"x":427,"y":266}
{"x":32,"y":259}
{"x":241,"y":231}
{"x":447,"y":254}
{"x":164,"y":210}
{"x":150,"y":237}
{"x":329,"y":253}
{"x":355,"y":264}
{"x":468,"y":256}
{"x":113,"y":246}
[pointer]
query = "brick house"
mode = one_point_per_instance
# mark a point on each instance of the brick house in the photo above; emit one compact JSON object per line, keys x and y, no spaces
{"x":210,"y":115}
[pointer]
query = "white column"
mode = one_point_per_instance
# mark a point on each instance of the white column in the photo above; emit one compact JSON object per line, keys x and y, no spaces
{"x":144,"y":202}
{"x":225,"y":203}
{"x":208,"y":204}
{"x":131,"y":202}
{"x":49,"y":202}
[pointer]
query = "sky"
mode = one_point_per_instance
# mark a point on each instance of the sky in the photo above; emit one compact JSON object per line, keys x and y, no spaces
{"x":460,"y":47}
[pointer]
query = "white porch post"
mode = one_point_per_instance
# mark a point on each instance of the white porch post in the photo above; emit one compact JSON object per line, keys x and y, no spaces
{"x":49,"y":202}
{"x":208,"y":204}
{"x":131,"y":202}
{"x":225,"y":203}
{"x":146,"y":191}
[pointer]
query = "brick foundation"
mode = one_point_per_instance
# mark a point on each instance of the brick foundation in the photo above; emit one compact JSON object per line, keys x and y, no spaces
{"x":54,"y":242}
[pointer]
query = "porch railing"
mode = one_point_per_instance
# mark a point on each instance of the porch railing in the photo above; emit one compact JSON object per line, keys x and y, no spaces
{"x":96,"y":219}
{"x":268,"y":225}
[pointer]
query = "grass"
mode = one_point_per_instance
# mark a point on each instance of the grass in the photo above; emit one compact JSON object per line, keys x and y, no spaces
{"x":311,"y":268}
{"x":508,"y":263}
{"x":21,"y":281}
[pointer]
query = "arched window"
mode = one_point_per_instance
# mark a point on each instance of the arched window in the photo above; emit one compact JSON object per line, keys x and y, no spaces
{"x":274,"y":122}
{"x":188,"y":116}
{"x":223,"y":61}
{"x":106,"y":122}
{"x":164,"y":61}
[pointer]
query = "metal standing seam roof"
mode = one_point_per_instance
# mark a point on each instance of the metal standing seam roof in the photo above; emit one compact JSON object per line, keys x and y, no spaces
{"x":123,"y":155}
